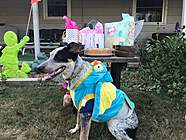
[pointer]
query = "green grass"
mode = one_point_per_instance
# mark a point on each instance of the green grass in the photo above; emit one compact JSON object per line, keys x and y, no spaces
{"x":27,"y":57}
{"x":36,"y":113}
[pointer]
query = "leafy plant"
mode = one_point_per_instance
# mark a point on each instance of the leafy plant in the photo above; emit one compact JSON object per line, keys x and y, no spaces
{"x":164,"y":68}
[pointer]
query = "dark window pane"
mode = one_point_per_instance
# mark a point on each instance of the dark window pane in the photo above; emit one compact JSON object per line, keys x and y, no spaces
{"x":149,"y":3}
{"x":149,"y":10}
{"x":57,"y":8}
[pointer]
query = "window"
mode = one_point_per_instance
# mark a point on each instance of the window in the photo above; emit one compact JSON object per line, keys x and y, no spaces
{"x":56,"y":9}
{"x":152,"y":11}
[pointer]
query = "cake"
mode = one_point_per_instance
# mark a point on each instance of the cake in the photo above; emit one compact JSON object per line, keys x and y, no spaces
{"x":98,"y":51}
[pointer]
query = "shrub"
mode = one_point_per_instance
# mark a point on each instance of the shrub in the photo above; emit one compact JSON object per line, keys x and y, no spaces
{"x":163,"y":70}
{"x":164,"y":66}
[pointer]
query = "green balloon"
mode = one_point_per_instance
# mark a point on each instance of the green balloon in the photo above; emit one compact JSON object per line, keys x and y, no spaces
{"x":9,"y":57}
{"x":10,"y":38}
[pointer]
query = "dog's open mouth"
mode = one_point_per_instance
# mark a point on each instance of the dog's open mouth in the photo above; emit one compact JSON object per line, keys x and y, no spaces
{"x":55,"y":73}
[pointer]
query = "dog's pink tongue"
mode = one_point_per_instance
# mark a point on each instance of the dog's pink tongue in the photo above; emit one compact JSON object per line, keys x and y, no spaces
{"x":52,"y":75}
{"x":47,"y":77}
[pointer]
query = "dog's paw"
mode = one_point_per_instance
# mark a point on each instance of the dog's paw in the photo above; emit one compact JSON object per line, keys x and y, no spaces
{"x":74,"y":130}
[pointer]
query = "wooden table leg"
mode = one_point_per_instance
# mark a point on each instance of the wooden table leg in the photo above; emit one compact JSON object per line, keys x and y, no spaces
{"x":116,"y":72}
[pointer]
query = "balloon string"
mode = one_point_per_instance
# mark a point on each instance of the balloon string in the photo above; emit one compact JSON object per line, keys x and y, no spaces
{"x":29,"y":20}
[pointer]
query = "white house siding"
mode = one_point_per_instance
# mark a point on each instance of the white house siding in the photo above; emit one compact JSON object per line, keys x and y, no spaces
{"x":15,"y":12}
{"x":102,"y":10}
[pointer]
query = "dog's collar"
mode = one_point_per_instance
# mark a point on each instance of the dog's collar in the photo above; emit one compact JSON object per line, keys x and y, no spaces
{"x":82,"y":69}
{"x":75,"y":74}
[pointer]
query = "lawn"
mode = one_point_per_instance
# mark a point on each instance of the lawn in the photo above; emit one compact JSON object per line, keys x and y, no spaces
{"x":36,"y":113}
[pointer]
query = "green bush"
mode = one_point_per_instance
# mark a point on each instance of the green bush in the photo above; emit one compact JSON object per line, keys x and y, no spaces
{"x":163,"y":69}
{"x":164,"y":66}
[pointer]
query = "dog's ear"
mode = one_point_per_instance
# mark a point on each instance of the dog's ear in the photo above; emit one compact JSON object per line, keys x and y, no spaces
{"x":75,"y":47}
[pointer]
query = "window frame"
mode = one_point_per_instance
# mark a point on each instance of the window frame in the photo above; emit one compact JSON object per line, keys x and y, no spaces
{"x":45,"y":11}
{"x":164,"y":13}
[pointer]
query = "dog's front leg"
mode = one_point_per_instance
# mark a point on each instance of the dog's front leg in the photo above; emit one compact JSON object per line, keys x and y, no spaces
{"x":74,"y":130}
{"x":85,"y":123}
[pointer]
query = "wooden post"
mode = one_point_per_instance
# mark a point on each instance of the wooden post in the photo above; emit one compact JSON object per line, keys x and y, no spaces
{"x":36,"y":29}
{"x":116,"y":72}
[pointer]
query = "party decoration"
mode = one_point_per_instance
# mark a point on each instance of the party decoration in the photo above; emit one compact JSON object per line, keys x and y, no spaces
{"x":9,"y":57}
{"x":120,"y":33}
{"x":34,"y":1}
{"x":69,"y":23}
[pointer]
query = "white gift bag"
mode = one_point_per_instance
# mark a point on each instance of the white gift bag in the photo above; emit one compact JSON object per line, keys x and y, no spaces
{"x":89,"y":40}
{"x":71,"y":35}
{"x":99,"y":41}
{"x":92,"y":38}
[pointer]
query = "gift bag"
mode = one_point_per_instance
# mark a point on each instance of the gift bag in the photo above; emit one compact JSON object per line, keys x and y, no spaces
{"x":120,"y":33}
{"x":71,"y":35}
{"x":99,"y":35}
{"x":86,"y":37}
{"x":99,"y":40}
{"x":92,"y":38}
{"x":89,"y":40}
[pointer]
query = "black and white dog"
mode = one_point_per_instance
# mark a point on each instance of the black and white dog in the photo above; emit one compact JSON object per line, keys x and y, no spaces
{"x":65,"y":62}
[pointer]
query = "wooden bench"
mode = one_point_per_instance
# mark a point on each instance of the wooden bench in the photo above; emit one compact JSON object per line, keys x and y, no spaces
{"x":43,"y":45}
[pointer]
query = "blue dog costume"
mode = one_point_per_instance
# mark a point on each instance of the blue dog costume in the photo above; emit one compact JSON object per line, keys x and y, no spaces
{"x":92,"y":91}
{"x":96,"y":98}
